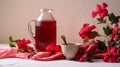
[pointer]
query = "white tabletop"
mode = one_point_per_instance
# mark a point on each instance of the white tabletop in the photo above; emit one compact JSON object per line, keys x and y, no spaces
{"x":16,"y":62}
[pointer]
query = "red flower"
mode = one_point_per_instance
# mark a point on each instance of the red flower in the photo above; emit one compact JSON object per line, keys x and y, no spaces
{"x":114,"y":35}
{"x":100,"y":10}
{"x":23,"y":44}
{"x":86,"y":31}
{"x":53,"y":48}
{"x":111,"y":55}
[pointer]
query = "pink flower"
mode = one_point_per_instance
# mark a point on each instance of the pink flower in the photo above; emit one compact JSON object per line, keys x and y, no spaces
{"x":114,"y":35}
{"x":100,"y":10}
{"x":23,"y":44}
{"x":53,"y":48}
{"x":86,"y":31}
{"x":111,"y":55}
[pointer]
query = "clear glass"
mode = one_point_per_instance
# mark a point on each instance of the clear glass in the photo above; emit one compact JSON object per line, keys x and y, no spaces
{"x":45,"y":30}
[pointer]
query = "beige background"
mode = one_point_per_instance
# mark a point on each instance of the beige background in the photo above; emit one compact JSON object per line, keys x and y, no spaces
{"x":70,"y":15}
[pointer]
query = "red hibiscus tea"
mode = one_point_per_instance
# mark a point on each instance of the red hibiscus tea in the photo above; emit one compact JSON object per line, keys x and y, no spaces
{"x":45,"y":34}
{"x":45,"y":29}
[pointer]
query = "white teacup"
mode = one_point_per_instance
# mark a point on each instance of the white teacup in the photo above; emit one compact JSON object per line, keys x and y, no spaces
{"x":70,"y":50}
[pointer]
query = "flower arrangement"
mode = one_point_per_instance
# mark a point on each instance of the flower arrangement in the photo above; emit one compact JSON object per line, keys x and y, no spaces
{"x":110,"y":48}
{"x":21,"y":44}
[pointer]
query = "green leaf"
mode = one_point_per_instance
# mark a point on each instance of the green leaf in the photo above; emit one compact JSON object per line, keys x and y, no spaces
{"x":96,"y":33}
{"x":111,"y":43}
{"x":20,"y":50}
{"x":12,"y":42}
{"x":119,"y":33}
{"x":114,"y":19}
{"x":16,"y":40}
{"x":10,"y":39}
{"x":107,"y":31}
{"x":11,"y":45}
{"x":101,"y":20}
{"x":86,"y":40}
{"x":89,"y":58}
{"x":101,"y":45}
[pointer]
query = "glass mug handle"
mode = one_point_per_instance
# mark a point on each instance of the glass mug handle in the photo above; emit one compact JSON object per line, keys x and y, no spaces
{"x":30,"y":30}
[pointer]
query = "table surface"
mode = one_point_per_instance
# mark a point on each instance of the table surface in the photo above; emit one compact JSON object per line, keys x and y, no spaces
{"x":16,"y":62}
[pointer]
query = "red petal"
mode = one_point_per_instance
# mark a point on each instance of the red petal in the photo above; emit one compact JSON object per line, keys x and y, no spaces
{"x":104,"y":5}
{"x":86,"y":25}
{"x":98,"y":8}
{"x":94,"y":14}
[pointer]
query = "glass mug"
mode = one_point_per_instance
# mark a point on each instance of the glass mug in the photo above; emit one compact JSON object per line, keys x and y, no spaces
{"x":45,"y":29}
